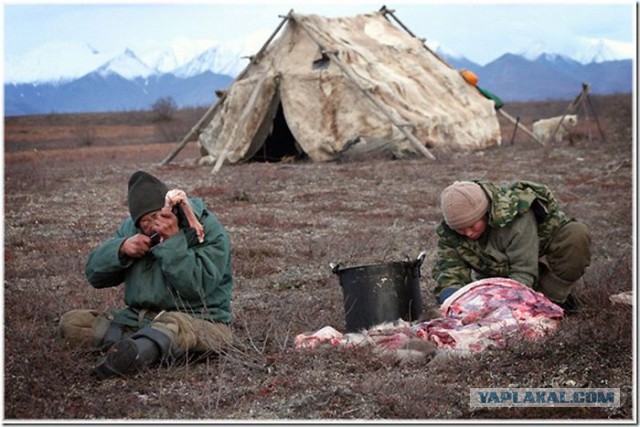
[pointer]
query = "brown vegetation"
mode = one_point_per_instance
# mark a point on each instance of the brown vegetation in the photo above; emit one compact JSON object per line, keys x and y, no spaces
{"x":64,"y":194}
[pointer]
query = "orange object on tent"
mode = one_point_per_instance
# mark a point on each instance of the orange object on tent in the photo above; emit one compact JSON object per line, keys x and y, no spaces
{"x":470,"y":77}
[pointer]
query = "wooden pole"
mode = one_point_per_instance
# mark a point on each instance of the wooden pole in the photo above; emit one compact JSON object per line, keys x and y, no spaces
{"x":225,"y":149}
{"x":209,"y":113}
{"x":595,"y":116}
{"x":257,"y":89}
{"x":576,"y":102}
{"x":518,"y":124}
{"x":386,"y":12}
{"x":193,"y":130}
{"x":586,"y":116}
{"x":418,"y":145}
{"x":515,"y":129}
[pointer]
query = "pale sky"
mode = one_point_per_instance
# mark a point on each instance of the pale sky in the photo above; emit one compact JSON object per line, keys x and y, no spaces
{"x":479,"y":31}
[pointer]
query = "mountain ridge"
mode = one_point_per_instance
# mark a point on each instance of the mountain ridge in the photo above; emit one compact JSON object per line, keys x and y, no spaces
{"x":126,"y":82}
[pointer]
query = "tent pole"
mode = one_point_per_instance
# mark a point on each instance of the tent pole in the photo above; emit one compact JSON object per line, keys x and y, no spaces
{"x":213,"y":108}
{"x":233,"y":138}
{"x":386,"y":12}
{"x":421,"y":148}
{"x":518,"y":124}
{"x":193,"y":130}
{"x":418,"y":145}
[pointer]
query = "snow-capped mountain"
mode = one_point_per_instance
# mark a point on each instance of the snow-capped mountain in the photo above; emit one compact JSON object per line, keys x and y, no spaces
{"x":218,"y":59}
{"x":587,"y":51}
{"x":535,"y":50}
{"x":166,"y":58}
{"x":127,"y":65}
{"x":64,"y":61}
{"x":438,"y":47}
{"x":53,"y":79}
{"x":600,"y":50}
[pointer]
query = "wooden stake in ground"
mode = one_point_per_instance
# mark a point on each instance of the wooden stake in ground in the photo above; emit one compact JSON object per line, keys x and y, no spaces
{"x":518,"y":124}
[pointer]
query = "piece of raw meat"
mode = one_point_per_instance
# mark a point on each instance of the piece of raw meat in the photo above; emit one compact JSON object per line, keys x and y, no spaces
{"x":175,"y":197}
{"x":484,"y":314}
{"x":622,"y":298}
{"x":311,"y":339}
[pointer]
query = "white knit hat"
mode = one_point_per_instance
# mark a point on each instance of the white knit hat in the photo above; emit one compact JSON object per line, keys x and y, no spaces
{"x":463,"y":203}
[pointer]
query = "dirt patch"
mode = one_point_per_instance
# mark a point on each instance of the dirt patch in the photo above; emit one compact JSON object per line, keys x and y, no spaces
{"x":287,"y":223}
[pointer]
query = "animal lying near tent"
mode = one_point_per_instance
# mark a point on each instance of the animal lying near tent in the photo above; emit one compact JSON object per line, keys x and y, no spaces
{"x":484,"y":314}
{"x":543,"y":129}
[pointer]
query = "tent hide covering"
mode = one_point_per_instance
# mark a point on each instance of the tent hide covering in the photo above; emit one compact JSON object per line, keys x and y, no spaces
{"x":328,"y":84}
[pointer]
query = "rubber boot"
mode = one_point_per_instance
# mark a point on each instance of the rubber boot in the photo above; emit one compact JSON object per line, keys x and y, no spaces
{"x":127,"y":356}
{"x":114,"y":334}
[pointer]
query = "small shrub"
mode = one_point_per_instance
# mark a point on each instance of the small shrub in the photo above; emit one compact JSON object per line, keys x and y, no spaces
{"x":164,"y":109}
{"x":86,"y":135}
{"x":168,"y":132}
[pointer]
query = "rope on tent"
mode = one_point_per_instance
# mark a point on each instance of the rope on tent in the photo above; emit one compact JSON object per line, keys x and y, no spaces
{"x":213,"y":109}
{"x":332,"y":55}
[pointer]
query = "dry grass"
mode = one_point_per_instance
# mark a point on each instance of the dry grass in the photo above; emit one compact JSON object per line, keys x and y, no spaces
{"x":287,"y":223}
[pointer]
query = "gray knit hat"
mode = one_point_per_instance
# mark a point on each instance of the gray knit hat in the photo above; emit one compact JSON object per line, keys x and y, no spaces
{"x":463,"y":203}
{"x":146,"y":194}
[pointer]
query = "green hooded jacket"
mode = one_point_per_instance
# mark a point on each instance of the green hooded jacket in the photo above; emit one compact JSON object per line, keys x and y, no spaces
{"x":522,"y":219}
{"x":179,"y":274}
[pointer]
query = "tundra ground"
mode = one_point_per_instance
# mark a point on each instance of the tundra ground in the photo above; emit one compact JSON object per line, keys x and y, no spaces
{"x":65,"y":192}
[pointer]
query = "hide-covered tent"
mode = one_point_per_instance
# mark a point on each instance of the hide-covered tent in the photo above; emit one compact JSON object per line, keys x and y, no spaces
{"x":329,"y":86}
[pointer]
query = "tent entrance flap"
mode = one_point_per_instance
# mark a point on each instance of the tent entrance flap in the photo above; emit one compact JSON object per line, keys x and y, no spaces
{"x":279,"y":143}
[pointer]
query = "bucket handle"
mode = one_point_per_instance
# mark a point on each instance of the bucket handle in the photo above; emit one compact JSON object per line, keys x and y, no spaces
{"x":334,"y":267}
{"x":418,"y":263}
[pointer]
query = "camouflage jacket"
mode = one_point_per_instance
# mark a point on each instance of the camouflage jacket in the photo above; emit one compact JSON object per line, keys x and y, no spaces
{"x":518,"y":213}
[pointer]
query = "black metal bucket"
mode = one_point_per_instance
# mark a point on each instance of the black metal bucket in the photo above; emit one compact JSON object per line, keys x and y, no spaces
{"x":379,"y":293}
